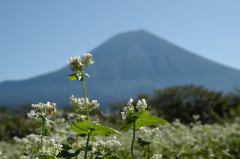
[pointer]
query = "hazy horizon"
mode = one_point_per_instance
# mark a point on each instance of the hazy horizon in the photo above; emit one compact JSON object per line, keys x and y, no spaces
{"x":38,"y":37}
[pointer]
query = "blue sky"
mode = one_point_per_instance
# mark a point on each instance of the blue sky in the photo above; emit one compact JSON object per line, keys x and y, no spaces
{"x":38,"y":36}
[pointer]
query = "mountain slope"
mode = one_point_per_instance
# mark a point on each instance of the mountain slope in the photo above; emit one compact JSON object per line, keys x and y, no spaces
{"x":125,"y":65}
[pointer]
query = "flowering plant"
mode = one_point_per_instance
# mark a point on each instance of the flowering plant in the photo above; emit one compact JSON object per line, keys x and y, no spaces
{"x":87,"y":138}
{"x":83,"y":125}
{"x":137,"y":116}
{"x":41,"y":145}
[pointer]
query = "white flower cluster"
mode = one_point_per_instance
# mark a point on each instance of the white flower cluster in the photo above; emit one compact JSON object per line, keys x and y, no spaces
{"x":87,"y":59}
{"x":80,"y":105}
{"x":77,"y":63}
{"x":129,"y":108}
{"x":33,"y":142}
{"x":147,"y":133}
{"x":106,"y":146}
{"x":2,"y":156}
{"x":156,"y":156}
{"x":42,"y":110}
{"x":141,"y":104}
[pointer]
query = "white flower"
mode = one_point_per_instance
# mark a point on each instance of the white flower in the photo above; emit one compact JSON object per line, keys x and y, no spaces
{"x":77,"y":63}
{"x":32,"y":114}
{"x":81,"y":105}
{"x":50,"y":145}
{"x":42,"y":110}
{"x":156,"y":156}
{"x":130,"y":102}
{"x":87,"y":59}
{"x":196,"y":117}
{"x":127,"y":109}
{"x":124,"y":115}
{"x":147,"y":133}
{"x":141,"y":105}
{"x":106,"y":146}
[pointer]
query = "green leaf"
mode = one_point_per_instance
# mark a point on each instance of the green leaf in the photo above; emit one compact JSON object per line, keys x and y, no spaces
{"x":66,"y":147}
{"x":66,"y":154}
{"x":146,"y":119}
{"x":132,"y":117}
{"x":143,"y":118}
{"x":72,"y":77}
{"x":45,"y":157}
{"x":84,"y":127}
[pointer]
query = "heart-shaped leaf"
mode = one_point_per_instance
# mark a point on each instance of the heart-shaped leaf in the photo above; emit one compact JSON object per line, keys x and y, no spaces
{"x":97,"y":129}
{"x":143,"y":118}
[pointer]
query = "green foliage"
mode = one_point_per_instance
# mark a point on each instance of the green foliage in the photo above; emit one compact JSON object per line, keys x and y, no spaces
{"x":97,"y":129}
{"x":72,"y":77}
{"x":142,"y":142}
{"x":146,"y":119}
{"x":65,"y":153}
{"x":14,"y":125}
{"x":45,"y":157}
{"x":143,"y":118}
{"x":185,"y":101}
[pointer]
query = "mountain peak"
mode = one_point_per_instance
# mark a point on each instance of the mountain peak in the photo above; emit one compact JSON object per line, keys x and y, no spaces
{"x":127,"y":64}
{"x":135,"y":34}
{"x":131,"y":40}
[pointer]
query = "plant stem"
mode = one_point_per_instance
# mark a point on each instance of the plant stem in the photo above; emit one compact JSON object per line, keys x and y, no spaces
{"x":86,"y":149}
{"x":133,"y":139}
{"x":148,"y":151}
{"x":42,"y":132}
{"x":85,"y":98}
{"x":91,"y":157}
{"x":77,"y":145}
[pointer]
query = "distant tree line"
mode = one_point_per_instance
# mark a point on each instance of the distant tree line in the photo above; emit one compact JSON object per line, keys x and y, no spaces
{"x":13,"y":122}
{"x":183,"y":102}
